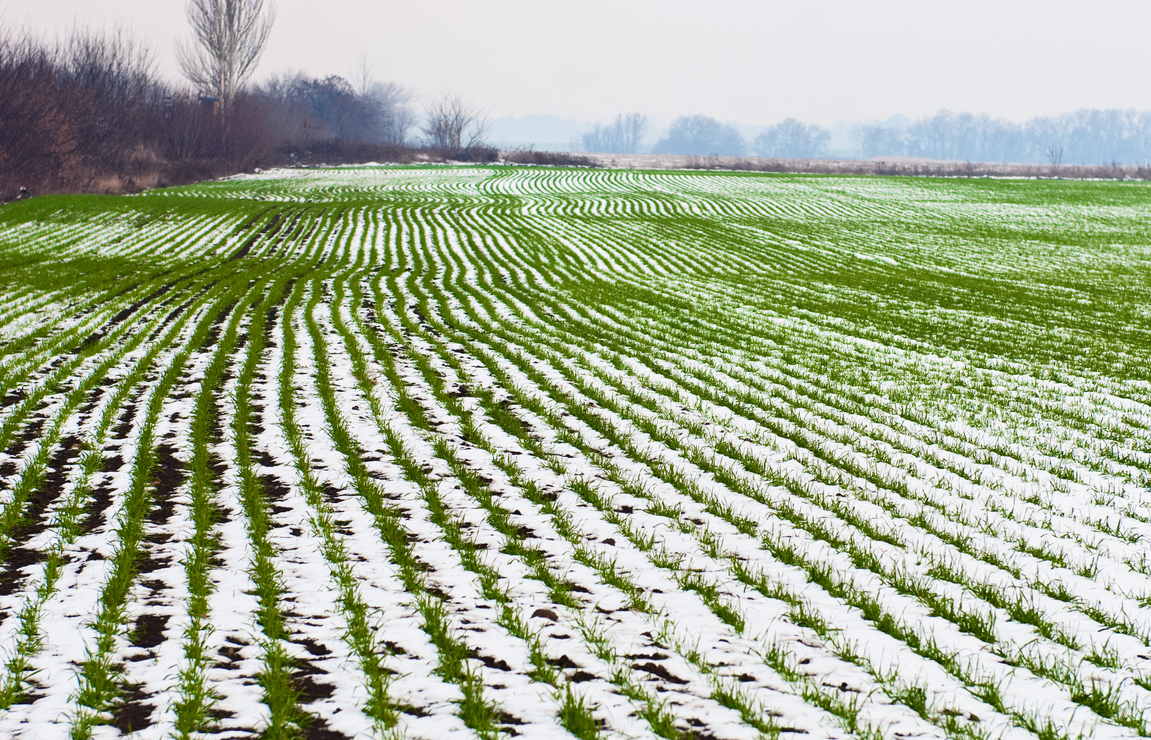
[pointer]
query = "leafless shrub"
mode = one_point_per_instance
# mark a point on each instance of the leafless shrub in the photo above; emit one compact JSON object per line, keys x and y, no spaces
{"x":531,"y":156}
{"x":453,"y":126}
{"x":112,"y":73}
{"x":34,"y":138}
{"x":72,"y":109}
{"x":191,"y":130}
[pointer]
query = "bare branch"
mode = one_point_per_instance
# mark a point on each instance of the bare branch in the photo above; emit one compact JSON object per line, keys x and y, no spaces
{"x":454,"y":125}
{"x":230,"y":36}
{"x":363,"y":78}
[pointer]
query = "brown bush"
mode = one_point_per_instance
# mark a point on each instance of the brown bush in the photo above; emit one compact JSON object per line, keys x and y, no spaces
{"x":563,"y":159}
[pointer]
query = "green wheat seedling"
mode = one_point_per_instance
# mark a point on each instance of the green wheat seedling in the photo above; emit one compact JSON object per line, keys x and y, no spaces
{"x":610,"y":577}
{"x":894,"y":414}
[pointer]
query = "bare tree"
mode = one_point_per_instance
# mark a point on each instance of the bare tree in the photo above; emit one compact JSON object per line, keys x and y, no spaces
{"x":363,"y":77}
{"x":454,"y":125}
{"x":1054,"y":153}
{"x":876,"y":140}
{"x":623,"y":136}
{"x":634,"y":129}
{"x":230,"y":36}
{"x":395,"y":109}
{"x":391,"y":104}
{"x":700,"y":136}
{"x":792,"y":138}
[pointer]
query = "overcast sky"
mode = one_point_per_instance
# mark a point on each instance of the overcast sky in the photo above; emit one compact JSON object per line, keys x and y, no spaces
{"x":751,"y":61}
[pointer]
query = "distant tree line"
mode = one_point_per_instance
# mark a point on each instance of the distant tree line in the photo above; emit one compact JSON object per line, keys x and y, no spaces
{"x":622,"y":136}
{"x":703,"y":136}
{"x":1086,"y":136}
{"x":1090,"y":137}
{"x":792,"y":139}
{"x":305,"y":112}
{"x":700,"y":135}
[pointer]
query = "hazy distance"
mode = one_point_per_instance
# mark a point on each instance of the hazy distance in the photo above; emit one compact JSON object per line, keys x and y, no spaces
{"x":753,"y":62}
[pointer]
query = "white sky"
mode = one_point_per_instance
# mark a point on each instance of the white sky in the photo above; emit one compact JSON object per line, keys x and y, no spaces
{"x":739,"y":60}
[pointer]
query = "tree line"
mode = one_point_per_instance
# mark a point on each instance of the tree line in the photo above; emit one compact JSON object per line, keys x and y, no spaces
{"x":704,"y":136}
{"x":1087,"y":136}
{"x":90,"y":113}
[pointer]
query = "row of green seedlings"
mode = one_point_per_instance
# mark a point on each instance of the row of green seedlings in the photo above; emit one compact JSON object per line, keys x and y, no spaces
{"x":25,"y":246}
{"x":814,"y":692}
{"x":476,"y":710}
{"x":748,"y":401}
{"x":360,"y":630}
{"x":830,"y":476}
{"x":983,"y":451}
{"x":301,"y":243}
{"x":103,"y":306}
{"x":31,"y":475}
{"x":1055,"y":589}
{"x":25,"y":300}
{"x":66,"y":376}
{"x":101,"y":675}
{"x":196,"y":698}
{"x":840,"y":398}
{"x":278,"y":677}
{"x":281,"y":694}
{"x":724,"y":443}
{"x":972,"y":621}
{"x":34,"y":392}
{"x":782,"y":403}
{"x":1028,"y":614}
{"x":574,"y":713}
{"x":82,"y":305}
{"x":781,"y":345}
{"x":67,"y":522}
{"x":64,"y":368}
{"x":26,"y":310}
{"x":606,"y":570}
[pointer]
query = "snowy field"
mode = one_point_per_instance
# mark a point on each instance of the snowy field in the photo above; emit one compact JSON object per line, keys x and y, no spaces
{"x":479,"y":452}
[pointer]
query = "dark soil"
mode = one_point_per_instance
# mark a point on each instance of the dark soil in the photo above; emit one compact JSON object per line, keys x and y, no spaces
{"x":658,"y":670}
{"x":35,"y":516}
{"x":133,"y":714}
{"x":150,"y":630}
